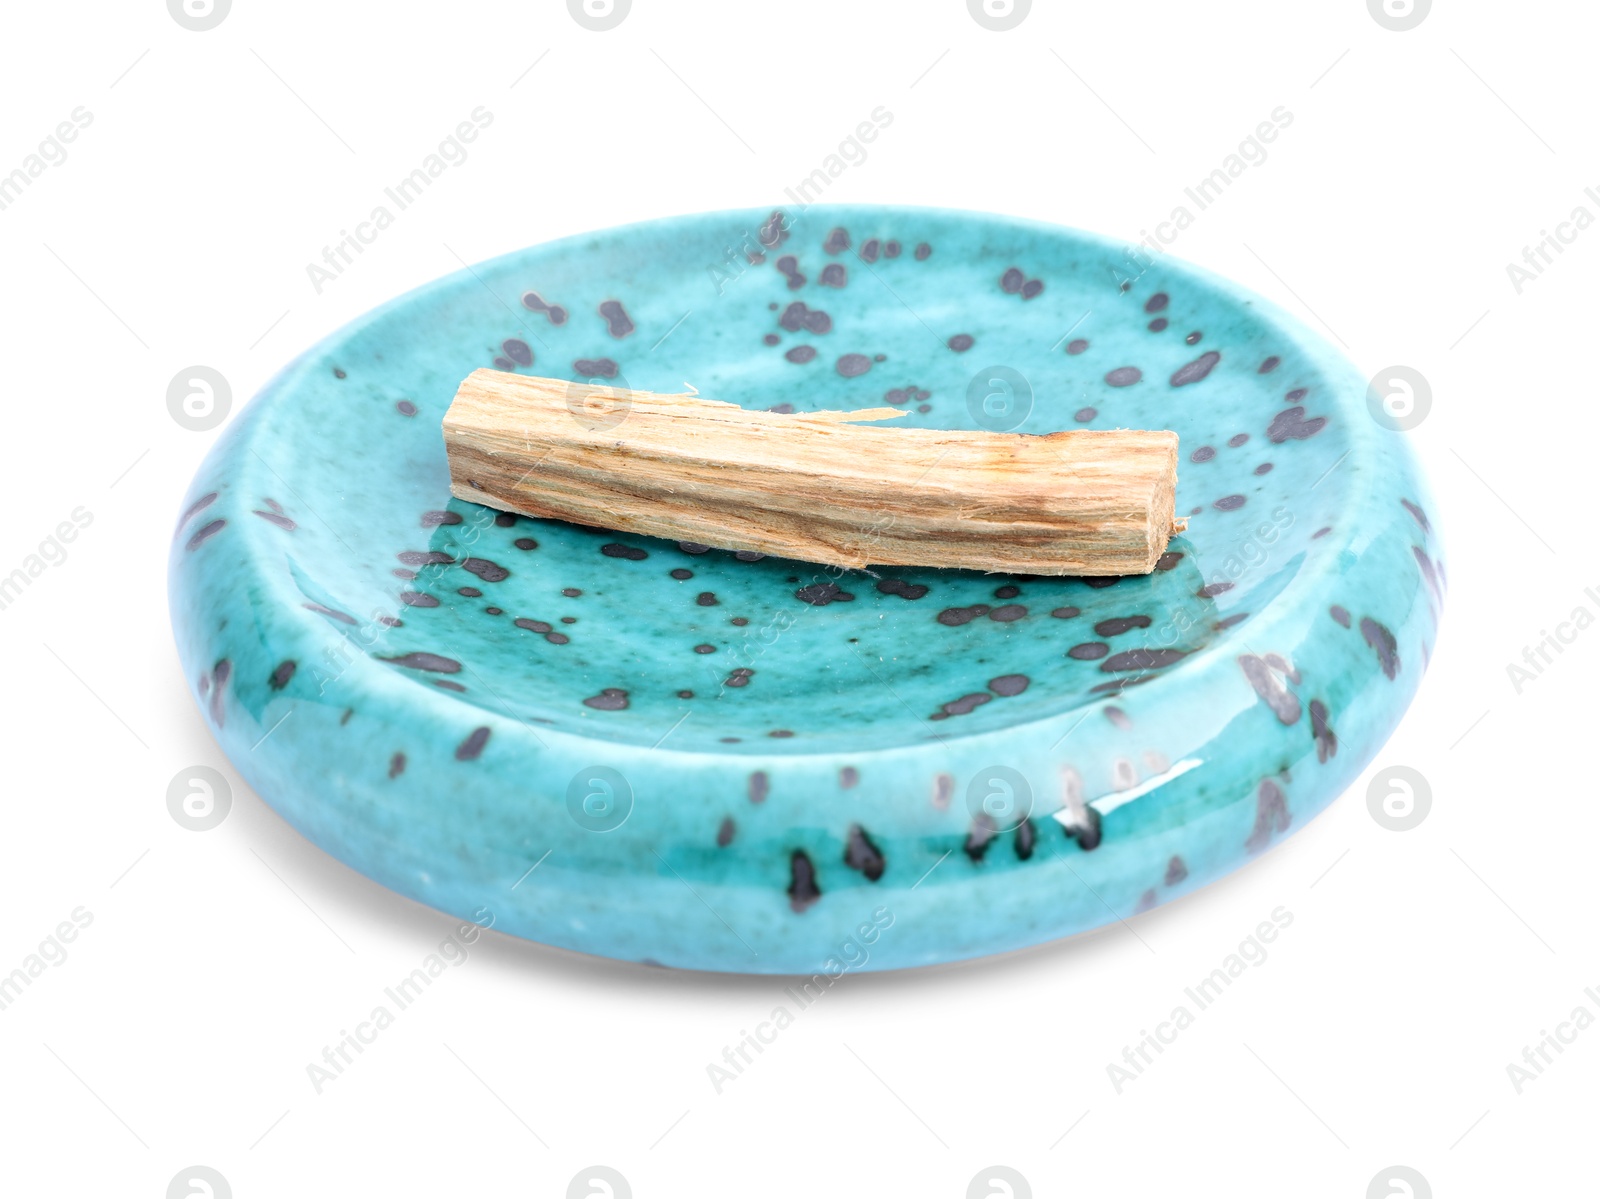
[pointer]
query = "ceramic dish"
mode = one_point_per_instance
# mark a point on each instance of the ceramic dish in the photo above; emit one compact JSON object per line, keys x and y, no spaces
{"x":686,"y":757}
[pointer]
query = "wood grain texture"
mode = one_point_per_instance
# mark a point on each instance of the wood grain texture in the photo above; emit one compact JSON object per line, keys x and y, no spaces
{"x":826,"y":487}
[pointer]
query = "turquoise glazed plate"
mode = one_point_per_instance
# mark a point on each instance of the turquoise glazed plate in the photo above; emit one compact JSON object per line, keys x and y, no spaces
{"x":689,"y":757}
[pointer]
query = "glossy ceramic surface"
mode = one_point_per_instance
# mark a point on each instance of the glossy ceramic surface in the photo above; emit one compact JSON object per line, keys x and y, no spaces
{"x":674,"y":755}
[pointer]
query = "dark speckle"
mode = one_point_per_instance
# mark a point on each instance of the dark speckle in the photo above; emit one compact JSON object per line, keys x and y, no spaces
{"x":1194,"y":371}
{"x":1238,"y":439}
{"x":1084,"y":415}
{"x":618,"y":323}
{"x":489,"y":572}
{"x":852,"y":365}
{"x":803,"y":889}
{"x":615,"y":549}
{"x":432,"y":520}
{"x":473,"y":745}
{"x":1272,"y":816}
{"x":426,"y":661}
{"x":525,"y":543}
{"x":418,"y":599}
{"x":610,"y":699}
{"x":960,"y":616}
{"x":220,"y":674}
{"x":1066,"y":613}
{"x":1157,"y":325}
{"x":1291,"y":424}
{"x":982,"y":832}
{"x":1268,"y":365}
{"x":1156,"y":303}
{"x":518,"y":351}
{"x":405,"y":408}
{"x":681,"y":574}
{"x":1089,"y":651}
{"x":1203,"y":454}
{"x":1077,"y":346}
{"x":1169,"y":560}
{"x":1327,"y":741}
{"x":1141,"y":659}
{"x":1176,"y":871}
{"x":820,"y":595}
{"x":281,"y":674}
{"x":204,"y":534}
{"x":800,"y":354}
{"x":705,"y":649}
{"x":1024,"y":840}
{"x":1340,"y":614}
{"x":838,"y":241}
{"x":757,"y":786}
{"x":905,"y":590}
{"x":922,"y":251}
{"x":1118,"y":625}
{"x":1007,"y":685}
{"x":1229,"y":503}
{"x":1124,"y":376}
{"x":397,"y":765}
{"x":798,"y":316}
{"x":725,"y":833}
{"x":861,"y":854}
{"x":1192,"y":338}
{"x":1272,"y":690}
{"x":706,"y":599}
{"x":961,"y":342}
{"x":1383,"y":644}
{"x":1006,"y":613}
{"x":960,"y":707}
{"x":1417,"y":514}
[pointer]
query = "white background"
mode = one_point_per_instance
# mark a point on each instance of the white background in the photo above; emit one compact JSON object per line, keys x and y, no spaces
{"x":218,"y":965}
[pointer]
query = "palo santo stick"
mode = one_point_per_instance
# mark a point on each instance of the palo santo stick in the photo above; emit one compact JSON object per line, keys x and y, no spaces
{"x":818,"y":487}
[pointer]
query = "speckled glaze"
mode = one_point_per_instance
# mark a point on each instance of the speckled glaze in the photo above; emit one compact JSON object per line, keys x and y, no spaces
{"x":815,"y":771}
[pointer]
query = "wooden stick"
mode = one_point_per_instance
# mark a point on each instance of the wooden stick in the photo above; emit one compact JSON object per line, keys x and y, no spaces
{"x":819,"y":486}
